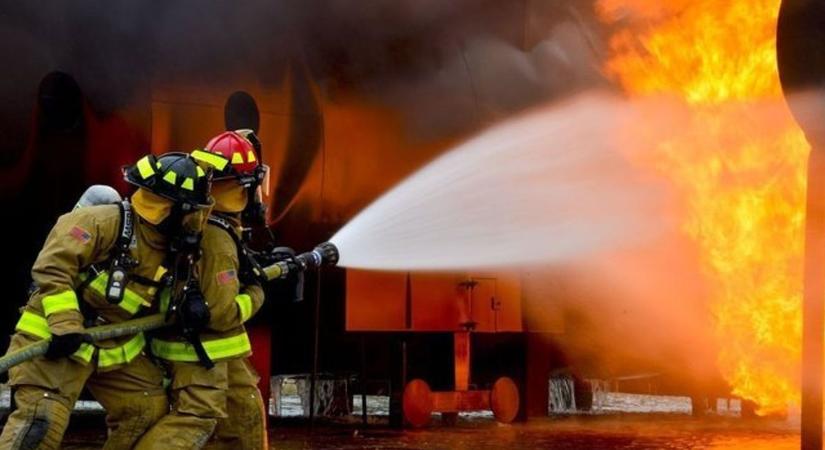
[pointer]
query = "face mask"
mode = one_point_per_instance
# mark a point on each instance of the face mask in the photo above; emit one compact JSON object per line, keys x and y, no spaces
{"x":195,"y":221}
{"x":151,"y":207}
{"x":189,"y":222}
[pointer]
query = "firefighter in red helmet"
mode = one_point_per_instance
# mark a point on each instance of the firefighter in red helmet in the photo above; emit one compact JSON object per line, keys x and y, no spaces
{"x":234,"y":413}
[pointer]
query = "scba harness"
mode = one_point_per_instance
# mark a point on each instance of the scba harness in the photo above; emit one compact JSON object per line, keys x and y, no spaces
{"x":250,"y":270}
{"x":110,"y":278}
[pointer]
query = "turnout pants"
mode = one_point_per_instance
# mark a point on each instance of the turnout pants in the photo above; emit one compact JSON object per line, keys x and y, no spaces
{"x":45,"y":392}
{"x":198,"y":402}
{"x":245,"y":426}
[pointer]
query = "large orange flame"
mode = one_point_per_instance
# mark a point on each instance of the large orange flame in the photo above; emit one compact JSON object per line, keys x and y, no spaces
{"x":739,"y":162}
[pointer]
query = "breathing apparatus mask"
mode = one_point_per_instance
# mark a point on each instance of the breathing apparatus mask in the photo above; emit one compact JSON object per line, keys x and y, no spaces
{"x":173,"y":220}
{"x":255,"y":183}
{"x":255,"y":211}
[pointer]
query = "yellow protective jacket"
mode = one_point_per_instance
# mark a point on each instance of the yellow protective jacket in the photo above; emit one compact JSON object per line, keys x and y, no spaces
{"x":78,"y":240}
{"x":230,"y":303}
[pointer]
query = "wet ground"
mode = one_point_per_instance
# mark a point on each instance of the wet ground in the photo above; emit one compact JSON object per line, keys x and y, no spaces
{"x":590,"y":432}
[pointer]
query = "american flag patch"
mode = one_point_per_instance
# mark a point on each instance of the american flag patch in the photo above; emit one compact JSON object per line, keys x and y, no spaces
{"x":226,"y":277}
{"x":80,"y":235}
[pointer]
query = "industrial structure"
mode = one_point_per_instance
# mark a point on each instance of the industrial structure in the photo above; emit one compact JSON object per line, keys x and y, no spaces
{"x":340,"y":125}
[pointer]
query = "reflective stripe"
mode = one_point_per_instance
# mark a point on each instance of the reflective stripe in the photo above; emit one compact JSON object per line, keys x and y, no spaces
{"x":234,"y":346}
{"x":34,"y":325}
{"x":213,"y":159}
{"x":250,"y":157}
{"x":131,"y":302}
{"x":159,"y":272}
{"x":123,"y":354}
{"x":188,"y":184}
{"x":145,"y":167}
{"x":60,"y":302}
{"x":85,"y":352}
{"x":237,"y":158}
{"x":244,"y":302}
{"x":38,"y":326}
{"x":165,"y":298}
{"x":170,"y":177}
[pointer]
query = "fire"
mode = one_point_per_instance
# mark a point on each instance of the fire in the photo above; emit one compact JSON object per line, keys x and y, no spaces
{"x":739,"y":163}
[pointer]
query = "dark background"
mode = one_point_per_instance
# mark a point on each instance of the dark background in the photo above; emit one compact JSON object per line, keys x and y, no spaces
{"x":80,"y":78}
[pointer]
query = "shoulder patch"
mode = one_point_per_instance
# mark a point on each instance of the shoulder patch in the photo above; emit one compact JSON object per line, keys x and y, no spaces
{"x":80,"y":235}
{"x":226,"y":277}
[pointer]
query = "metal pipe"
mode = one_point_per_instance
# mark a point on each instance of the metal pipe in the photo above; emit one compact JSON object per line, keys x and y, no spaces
{"x":813,"y":305}
{"x":801,"y":63}
{"x":313,"y":381}
{"x":364,"y":379}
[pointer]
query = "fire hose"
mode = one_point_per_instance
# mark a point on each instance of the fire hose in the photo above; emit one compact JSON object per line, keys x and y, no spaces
{"x":324,"y":254}
{"x":98,"y":333}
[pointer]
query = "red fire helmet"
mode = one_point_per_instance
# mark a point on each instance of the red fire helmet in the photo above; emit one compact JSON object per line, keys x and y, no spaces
{"x":238,"y":150}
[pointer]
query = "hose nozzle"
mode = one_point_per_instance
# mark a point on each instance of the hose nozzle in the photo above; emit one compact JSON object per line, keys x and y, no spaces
{"x":329,"y":253}
{"x":325,"y":254}
{"x":285,"y":261}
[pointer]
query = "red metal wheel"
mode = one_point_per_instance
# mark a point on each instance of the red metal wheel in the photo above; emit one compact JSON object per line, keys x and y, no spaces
{"x":504,"y":400}
{"x":417,"y":403}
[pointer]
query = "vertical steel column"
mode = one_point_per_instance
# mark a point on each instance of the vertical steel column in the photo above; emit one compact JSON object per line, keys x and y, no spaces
{"x":813,"y":307}
{"x":800,"y":47}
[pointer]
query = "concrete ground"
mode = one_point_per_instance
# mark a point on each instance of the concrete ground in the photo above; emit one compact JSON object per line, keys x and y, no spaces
{"x":608,"y":432}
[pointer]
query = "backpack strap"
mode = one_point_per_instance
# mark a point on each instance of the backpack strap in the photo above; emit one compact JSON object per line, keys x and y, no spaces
{"x":250,"y":271}
{"x":121,"y":260}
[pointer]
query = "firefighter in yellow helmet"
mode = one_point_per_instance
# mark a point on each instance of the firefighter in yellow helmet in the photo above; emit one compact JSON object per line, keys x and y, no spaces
{"x":224,"y":398}
{"x":102,"y":264}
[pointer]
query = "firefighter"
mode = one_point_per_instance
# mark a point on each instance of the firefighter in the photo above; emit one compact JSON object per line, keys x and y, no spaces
{"x":224,"y":398}
{"x":103,"y":264}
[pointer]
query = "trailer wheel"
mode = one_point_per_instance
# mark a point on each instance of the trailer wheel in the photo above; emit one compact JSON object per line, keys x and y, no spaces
{"x":504,"y":400}
{"x":417,"y":403}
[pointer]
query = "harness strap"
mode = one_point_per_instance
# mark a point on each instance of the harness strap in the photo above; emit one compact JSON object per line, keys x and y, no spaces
{"x":250,"y":269}
{"x":121,"y":261}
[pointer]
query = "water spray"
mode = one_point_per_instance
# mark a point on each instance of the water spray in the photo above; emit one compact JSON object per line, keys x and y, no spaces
{"x":545,"y":187}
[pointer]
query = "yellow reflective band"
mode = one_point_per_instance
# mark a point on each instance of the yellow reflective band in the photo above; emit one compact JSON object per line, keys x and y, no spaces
{"x":160,"y":272}
{"x":34,"y":325}
{"x":201,"y":173}
{"x":188,"y":184}
{"x":131,"y":302}
{"x":235,"y":346}
{"x":66,"y":300}
{"x":213,"y":159}
{"x":145,"y":168}
{"x":123,"y":354}
{"x":250,"y":157}
{"x":170,"y":177}
{"x":244,"y":302}
{"x":237,"y":158}
{"x":158,"y":275}
{"x":165,"y":298}
{"x":85,"y":352}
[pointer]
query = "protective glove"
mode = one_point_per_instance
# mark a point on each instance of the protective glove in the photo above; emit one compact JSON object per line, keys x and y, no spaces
{"x":63,"y":345}
{"x":193,"y":311}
